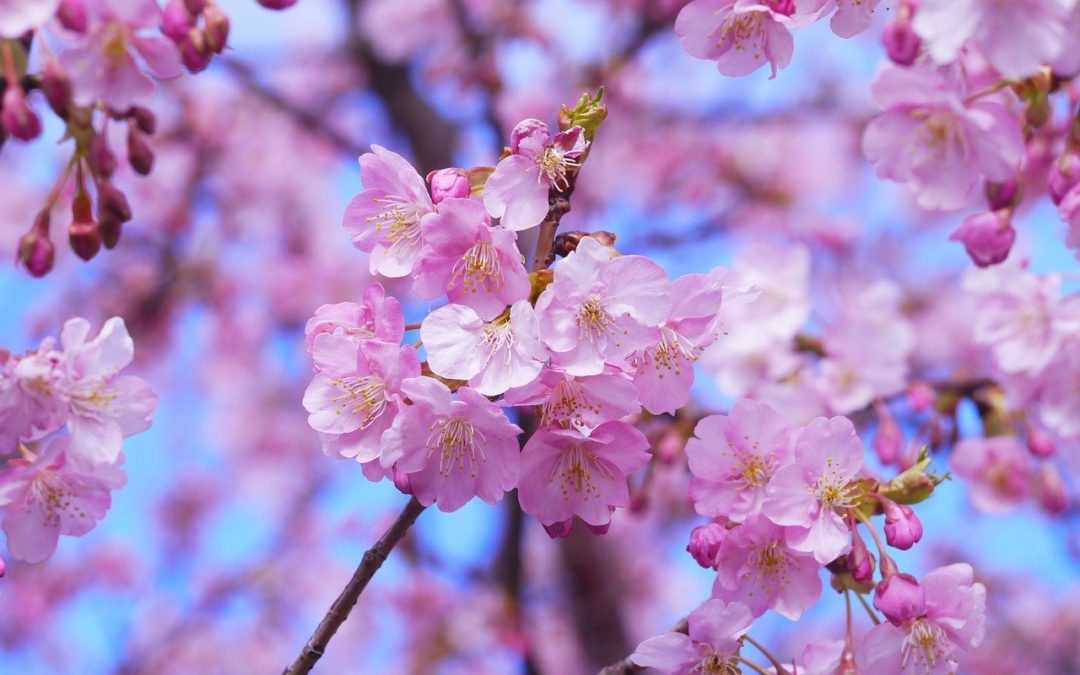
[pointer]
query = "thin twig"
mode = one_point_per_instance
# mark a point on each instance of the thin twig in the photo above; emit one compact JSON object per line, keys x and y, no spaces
{"x":339,"y":611}
{"x":769,"y":655}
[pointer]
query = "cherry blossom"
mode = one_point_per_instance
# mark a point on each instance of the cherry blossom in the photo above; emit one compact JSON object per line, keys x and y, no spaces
{"x":998,"y":471}
{"x":52,"y":494}
{"x":710,"y":645}
{"x":584,"y":402}
{"x":385,"y":218}
{"x":453,"y":449}
{"x":378,"y":318}
{"x":517,"y":192}
{"x":740,"y":35}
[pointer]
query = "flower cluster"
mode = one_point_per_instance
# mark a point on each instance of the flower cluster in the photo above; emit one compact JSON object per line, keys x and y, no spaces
{"x":60,"y":483}
{"x":99,"y":61}
{"x":585,"y":345}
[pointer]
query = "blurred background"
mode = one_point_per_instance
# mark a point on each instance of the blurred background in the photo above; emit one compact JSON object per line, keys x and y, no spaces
{"x":235,"y":532}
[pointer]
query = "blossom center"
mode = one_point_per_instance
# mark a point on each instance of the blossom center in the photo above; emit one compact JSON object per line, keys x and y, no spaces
{"x":454,"y":439}
{"x":575,"y":472}
{"x":769,"y":568}
{"x":671,"y":353}
{"x":567,"y":401}
{"x":497,"y":337}
{"x":49,"y":490}
{"x":717,"y":664}
{"x":363,"y":397}
{"x":399,"y":222}
{"x":555,"y":166}
{"x":593,"y":320}
{"x":478,"y":268}
{"x":926,"y":644}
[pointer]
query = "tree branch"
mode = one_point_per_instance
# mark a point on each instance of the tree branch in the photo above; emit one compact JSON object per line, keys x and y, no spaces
{"x":339,"y":611}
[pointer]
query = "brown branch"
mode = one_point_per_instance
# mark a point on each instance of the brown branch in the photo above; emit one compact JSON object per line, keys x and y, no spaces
{"x":339,"y":611}
{"x":627,"y":667}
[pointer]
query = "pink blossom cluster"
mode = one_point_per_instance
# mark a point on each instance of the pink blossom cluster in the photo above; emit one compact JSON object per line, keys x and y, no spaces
{"x":64,"y":413}
{"x":862,"y":354}
{"x":593,"y":341}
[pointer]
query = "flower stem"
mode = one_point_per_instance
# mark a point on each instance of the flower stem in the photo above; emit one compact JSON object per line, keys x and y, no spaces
{"x":769,"y":655}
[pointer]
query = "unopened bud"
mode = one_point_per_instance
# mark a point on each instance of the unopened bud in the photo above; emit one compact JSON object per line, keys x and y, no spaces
{"x":17,"y":117}
{"x":217,"y":28}
{"x":112,"y":204}
{"x":56,"y":86}
{"x":144,"y":119}
{"x":903,"y":529}
{"x":177,"y":20}
{"x":194,"y":52}
{"x":900,"y":598}
{"x":1002,"y":195}
{"x":705,"y":543}
{"x":987,"y":237}
{"x":901,"y":43}
{"x":589,"y":113}
{"x":72,"y":15}
{"x":101,"y":158}
{"x":1040,"y":444}
{"x":140,"y":156}
{"x":83,"y":231}
{"x":889,"y":437}
{"x":860,"y":560}
{"x":36,"y":250}
{"x":449,"y":183}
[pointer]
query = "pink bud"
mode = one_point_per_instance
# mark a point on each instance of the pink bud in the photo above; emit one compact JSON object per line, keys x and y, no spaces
{"x":402,"y":482}
{"x":83,"y":231}
{"x":448,"y":183}
{"x":101,"y":158}
{"x":705,"y":543}
{"x":903,"y":529}
{"x":217,"y":28}
{"x":988,"y":238}
{"x":277,"y":4}
{"x":900,"y":598}
{"x":1001,"y":195}
{"x":144,"y":119}
{"x":3,"y":568}
{"x":55,"y":85}
{"x":140,"y":156}
{"x":1064,"y":175}
{"x":1052,"y":490}
{"x":194,"y":52}
{"x":1039,"y":443}
{"x":72,"y":15}
{"x":860,"y":560}
{"x":901,"y":43}
{"x":176,"y":20}
{"x":531,"y":129}
{"x":36,"y":250}
{"x":559,"y":530}
{"x":17,"y":117}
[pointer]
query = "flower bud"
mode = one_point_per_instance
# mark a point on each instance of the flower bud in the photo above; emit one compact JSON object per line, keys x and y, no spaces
{"x":217,"y":28}
{"x":101,"y":158}
{"x":900,"y":598}
{"x":705,"y":543}
{"x":860,"y":560}
{"x":276,"y":4}
{"x":1039,"y":443}
{"x":988,"y":238}
{"x":83,"y":231}
{"x":920,"y":396}
{"x":140,"y":156}
{"x":194,"y":52}
{"x":785,"y":7}
{"x":901,"y":43}
{"x":36,"y":250}
{"x":1064,"y":175}
{"x":1001,"y":195}
{"x":56,"y":86}
{"x":402,"y":482}
{"x":177,"y":20}
{"x":1052,"y":490}
{"x":3,"y":568}
{"x":72,"y":15}
{"x":17,"y":117}
{"x":112,"y":204}
{"x":448,"y":183}
{"x":903,"y":529}
{"x":144,"y":119}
